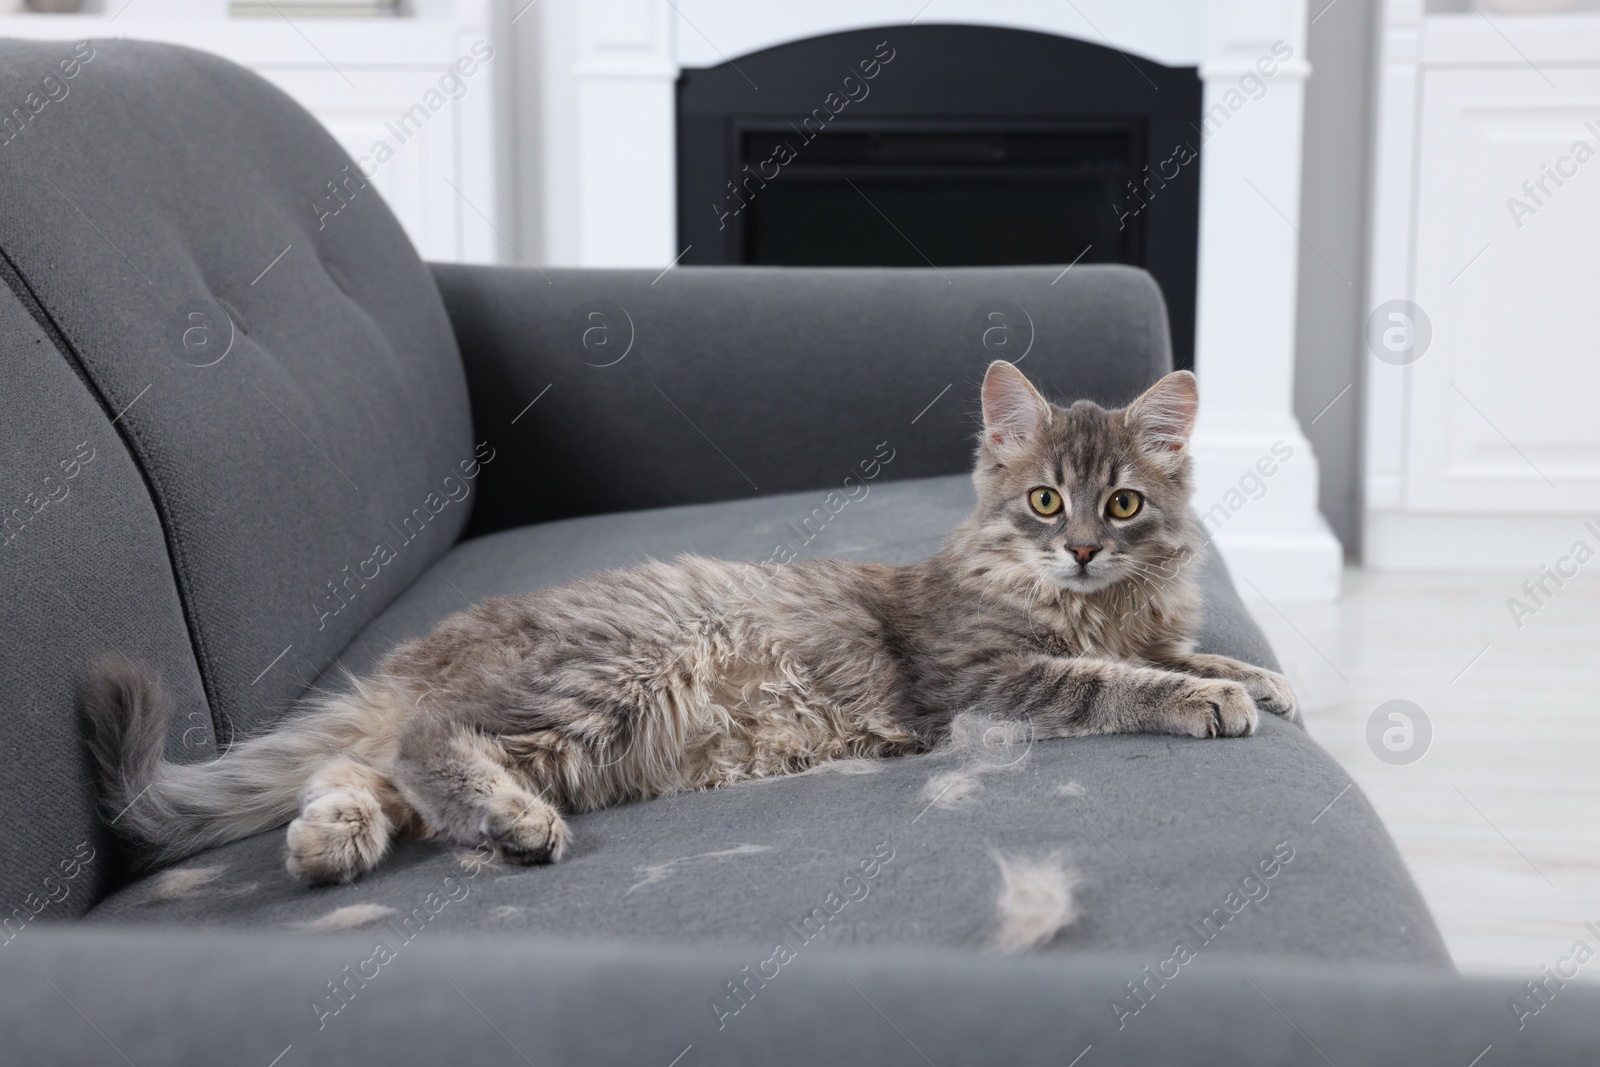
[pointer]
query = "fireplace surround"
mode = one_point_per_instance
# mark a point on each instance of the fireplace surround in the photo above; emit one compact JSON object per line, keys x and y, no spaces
{"x":603,"y":139}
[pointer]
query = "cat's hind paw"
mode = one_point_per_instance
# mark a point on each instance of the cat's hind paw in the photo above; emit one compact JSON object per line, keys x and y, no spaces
{"x":337,"y":836}
{"x":534,"y":834}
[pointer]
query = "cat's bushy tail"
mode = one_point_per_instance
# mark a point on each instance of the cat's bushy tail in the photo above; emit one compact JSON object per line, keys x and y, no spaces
{"x":177,"y":809}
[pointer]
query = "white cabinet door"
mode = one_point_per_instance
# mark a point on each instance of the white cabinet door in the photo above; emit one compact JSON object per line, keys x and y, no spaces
{"x":1505,"y":404}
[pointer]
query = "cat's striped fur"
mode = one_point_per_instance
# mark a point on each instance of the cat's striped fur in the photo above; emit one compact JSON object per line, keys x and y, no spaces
{"x":676,"y":676}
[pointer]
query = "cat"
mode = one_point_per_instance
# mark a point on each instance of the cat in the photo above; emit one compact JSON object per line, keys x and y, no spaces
{"x":1063,"y":599}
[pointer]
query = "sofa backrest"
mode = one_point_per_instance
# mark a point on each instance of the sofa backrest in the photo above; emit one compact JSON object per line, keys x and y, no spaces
{"x":203,"y":290}
{"x":709,"y":383}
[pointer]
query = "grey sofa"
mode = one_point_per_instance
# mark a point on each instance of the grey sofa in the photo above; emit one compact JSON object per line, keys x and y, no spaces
{"x":219,"y":400}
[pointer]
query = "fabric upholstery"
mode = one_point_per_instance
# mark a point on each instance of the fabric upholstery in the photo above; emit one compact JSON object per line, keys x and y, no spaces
{"x":486,"y":1001}
{"x":1166,"y":827}
{"x":199,"y":289}
{"x":171,"y":204}
{"x":83,"y":572}
{"x":709,"y":383}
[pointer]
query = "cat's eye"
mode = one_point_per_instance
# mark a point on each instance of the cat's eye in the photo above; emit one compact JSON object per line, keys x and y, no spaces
{"x":1044,"y":501}
{"x":1124,"y":504}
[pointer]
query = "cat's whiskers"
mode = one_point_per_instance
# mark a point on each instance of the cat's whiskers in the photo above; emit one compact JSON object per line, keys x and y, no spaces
{"x":1157,"y":572}
{"x":1126,"y":591}
{"x":1138,"y":571}
{"x":1141,"y":582}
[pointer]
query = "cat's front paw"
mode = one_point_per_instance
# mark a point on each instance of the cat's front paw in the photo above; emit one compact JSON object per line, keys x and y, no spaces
{"x":1271,"y":692}
{"x":1214,"y":707}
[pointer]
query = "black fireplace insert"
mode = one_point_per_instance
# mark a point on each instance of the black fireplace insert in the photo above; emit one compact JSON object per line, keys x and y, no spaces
{"x":944,"y":145}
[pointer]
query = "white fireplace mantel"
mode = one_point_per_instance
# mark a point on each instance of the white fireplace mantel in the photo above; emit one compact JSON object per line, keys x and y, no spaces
{"x":607,"y":172}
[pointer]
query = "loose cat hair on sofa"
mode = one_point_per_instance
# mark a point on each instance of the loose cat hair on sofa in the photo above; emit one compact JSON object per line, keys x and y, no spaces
{"x":1064,"y":599}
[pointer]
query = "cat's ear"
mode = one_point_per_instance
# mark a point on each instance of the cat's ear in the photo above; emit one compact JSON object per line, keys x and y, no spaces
{"x":1013,"y":410}
{"x":1164,"y":415}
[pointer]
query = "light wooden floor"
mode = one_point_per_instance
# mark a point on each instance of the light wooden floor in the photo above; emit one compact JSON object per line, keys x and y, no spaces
{"x":1500,"y":820}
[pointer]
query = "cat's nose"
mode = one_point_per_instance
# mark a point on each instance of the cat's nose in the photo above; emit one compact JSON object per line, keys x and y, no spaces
{"x":1083,"y":553}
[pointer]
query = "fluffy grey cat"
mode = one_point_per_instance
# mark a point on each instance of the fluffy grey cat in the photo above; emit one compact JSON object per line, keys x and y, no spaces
{"x":1063,"y":599}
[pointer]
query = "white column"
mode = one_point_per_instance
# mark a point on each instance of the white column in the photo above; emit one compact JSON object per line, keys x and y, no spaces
{"x":1256,"y":476}
{"x":1399,"y":83}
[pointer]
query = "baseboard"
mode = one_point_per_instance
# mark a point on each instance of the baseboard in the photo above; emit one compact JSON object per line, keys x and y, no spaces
{"x":1395,"y":540}
{"x":1284,"y":565}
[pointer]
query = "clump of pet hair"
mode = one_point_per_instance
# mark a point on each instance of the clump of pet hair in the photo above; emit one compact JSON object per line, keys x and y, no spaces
{"x":1035,"y":902}
{"x":660,"y":872}
{"x":180,"y":883}
{"x":349,"y":917}
{"x":979,"y":746}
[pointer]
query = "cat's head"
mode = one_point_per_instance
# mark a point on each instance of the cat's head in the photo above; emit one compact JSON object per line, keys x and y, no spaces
{"x":1080,"y":497}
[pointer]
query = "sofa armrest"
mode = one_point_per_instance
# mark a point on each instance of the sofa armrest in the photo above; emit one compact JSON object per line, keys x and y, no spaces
{"x":649,"y":389}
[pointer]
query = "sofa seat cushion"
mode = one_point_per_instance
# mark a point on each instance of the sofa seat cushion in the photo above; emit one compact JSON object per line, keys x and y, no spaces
{"x":1164,"y":833}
